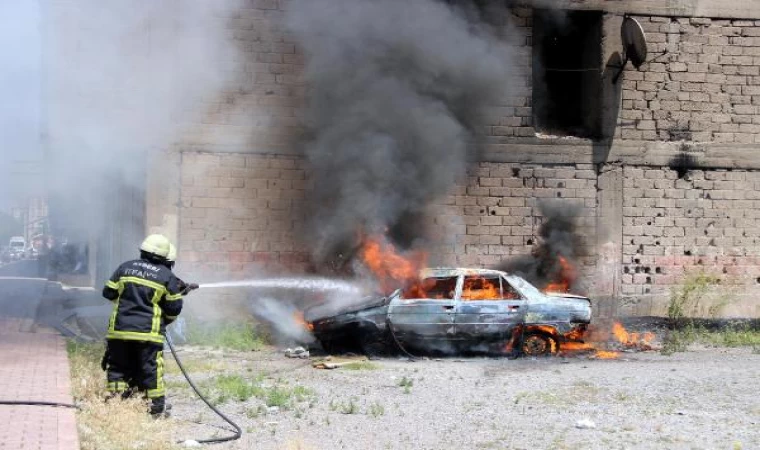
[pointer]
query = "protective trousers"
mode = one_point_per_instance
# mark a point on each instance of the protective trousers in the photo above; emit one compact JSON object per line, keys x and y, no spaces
{"x":137,"y":364}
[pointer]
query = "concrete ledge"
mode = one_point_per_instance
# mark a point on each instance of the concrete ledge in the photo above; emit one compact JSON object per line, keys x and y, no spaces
{"x":644,"y":153}
{"x":718,"y":9}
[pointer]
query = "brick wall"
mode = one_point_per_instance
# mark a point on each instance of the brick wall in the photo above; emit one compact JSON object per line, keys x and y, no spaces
{"x":239,"y":213}
{"x":240,"y":192}
{"x":513,"y":116}
{"x":495,"y":215}
{"x":260,"y":109}
{"x":706,"y":89}
{"x":706,"y":221}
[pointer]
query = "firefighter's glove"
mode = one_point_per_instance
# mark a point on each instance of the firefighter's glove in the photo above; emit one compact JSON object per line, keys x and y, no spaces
{"x":190,"y":287}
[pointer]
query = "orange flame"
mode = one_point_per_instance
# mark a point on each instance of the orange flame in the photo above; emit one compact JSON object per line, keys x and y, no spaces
{"x":632,"y":340}
{"x":299,"y":319}
{"x":479,"y":288}
{"x":392,"y":269}
{"x":604,"y":354}
{"x":600,"y":340}
{"x":567,"y":275}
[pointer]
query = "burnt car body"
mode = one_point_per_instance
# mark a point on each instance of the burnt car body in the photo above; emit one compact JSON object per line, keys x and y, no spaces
{"x":458,"y":311}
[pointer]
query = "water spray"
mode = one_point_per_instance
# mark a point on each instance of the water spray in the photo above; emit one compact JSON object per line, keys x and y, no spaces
{"x":305,"y":284}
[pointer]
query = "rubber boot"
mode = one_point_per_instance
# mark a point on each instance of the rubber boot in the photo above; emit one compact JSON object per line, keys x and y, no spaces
{"x":158,"y":408}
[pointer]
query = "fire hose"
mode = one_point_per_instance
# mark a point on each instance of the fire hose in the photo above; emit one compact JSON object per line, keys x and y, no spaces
{"x":238,"y":430}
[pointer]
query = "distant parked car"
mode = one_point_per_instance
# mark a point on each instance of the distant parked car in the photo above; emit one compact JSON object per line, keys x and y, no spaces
{"x":456,"y":311}
{"x":17,"y":247}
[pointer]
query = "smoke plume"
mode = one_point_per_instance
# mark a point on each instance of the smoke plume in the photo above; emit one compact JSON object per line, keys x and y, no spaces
{"x":283,"y":318}
{"x":558,"y":238}
{"x":124,"y":80}
{"x":396,"y":89}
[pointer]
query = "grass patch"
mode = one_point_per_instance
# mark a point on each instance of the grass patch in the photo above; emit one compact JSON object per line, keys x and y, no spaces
{"x":117,"y":424}
{"x":407,"y":384}
{"x":205,"y":365}
{"x":376,"y":409}
{"x":361,"y":365}
{"x":241,"y":336}
{"x":233,"y":387}
{"x":236,"y":388}
{"x":578,"y":392}
{"x":350,"y":407}
{"x":699,"y":295}
{"x":680,"y":339}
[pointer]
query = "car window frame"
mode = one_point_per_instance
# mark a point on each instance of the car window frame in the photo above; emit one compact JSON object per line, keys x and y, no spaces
{"x":488,"y":275}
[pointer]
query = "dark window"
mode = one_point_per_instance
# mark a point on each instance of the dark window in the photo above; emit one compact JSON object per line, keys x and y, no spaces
{"x":567,"y":60}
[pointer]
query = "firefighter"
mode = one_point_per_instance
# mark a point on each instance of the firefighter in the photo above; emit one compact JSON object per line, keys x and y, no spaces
{"x":147,"y":297}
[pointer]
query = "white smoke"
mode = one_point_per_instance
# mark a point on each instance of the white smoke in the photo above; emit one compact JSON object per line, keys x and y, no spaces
{"x":20,"y":51}
{"x":283,"y":317}
{"x":123,"y":81}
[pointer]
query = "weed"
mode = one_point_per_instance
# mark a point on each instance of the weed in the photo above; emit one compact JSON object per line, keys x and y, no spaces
{"x":686,"y":299}
{"x":232,"y":387}
{"x":679,"y":340}
{"x":406,"y":382}
{"x":84,"y":361}
{"x":361,"y":365}
{"x":241,"y":336}
{"x":302,"y":393}
{"x":253,"y":413}
{"x":115,"y":424}
{"x":376,"y":409}
{"x":279,"y":397}
{"x":349,"y":408}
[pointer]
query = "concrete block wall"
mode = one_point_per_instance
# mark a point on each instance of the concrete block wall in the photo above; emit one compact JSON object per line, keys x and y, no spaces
{"x":242,"y":182}
{"x":239,"y":214}
{"x":706,"y":88}
{"x":261,"y":108}
{"x":706,"y":221}
{"x":512,"y":116}
{"x":495,"y":215}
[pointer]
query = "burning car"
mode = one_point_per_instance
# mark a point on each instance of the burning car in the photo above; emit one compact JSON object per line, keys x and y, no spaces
{"x":457,"y":311}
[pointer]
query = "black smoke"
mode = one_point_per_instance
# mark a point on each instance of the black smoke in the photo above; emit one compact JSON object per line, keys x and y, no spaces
{"x":396,"y":90}
{"x":558,"y":236}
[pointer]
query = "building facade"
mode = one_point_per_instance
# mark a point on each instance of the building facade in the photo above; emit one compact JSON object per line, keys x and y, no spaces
{"x":662,"y":161}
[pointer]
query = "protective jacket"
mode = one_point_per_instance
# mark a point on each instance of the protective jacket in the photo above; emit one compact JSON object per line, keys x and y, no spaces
{"x":146,"y":297}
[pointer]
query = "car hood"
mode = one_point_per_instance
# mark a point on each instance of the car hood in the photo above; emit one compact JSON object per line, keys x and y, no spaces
{"x":332,"y":309}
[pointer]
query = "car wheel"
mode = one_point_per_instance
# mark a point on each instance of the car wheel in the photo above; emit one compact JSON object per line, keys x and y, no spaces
{"x":535,"y":344}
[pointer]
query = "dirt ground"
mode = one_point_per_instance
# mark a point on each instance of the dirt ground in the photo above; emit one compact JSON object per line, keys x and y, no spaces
{"x":705,"y":398}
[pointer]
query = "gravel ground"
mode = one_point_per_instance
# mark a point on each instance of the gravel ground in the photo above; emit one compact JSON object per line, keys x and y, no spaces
{"x":701,"y":399}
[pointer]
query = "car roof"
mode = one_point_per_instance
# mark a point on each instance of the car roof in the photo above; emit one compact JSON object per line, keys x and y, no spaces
{"x":456,"y":271}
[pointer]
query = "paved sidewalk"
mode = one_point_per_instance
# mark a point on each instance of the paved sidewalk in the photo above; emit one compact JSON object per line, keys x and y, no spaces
{"x":34,"y":366}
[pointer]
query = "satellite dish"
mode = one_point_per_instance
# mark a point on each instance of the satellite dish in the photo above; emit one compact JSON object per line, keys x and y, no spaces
{"x":634,"y":45}
{"x":634,"y":42}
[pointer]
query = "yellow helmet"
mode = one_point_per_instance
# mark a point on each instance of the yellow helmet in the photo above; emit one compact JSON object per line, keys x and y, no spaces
{"x":156,"y":244}
{"x":172,"y":256}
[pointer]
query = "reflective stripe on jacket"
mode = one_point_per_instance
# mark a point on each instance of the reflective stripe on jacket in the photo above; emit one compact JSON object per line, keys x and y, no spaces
{"x":145,"y":295}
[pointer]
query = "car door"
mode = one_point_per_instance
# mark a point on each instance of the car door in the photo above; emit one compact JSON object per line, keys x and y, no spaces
{"x":489,"y":309}
{"x":425,"y":312}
